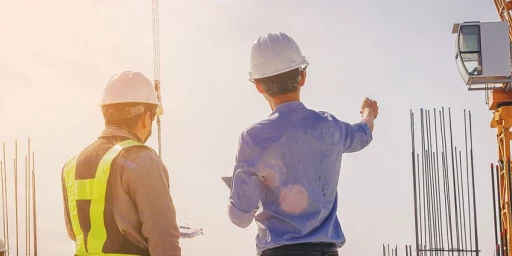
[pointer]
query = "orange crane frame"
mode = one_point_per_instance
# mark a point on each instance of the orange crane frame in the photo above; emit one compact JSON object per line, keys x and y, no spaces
{"x":503,"y":7}
{"x":502,"y":120}
{"x":500,"y":101}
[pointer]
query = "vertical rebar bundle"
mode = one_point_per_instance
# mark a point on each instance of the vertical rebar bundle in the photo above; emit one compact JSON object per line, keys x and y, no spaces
{"x":5,"y":204}
{"x":394,"y":252}
{"x":496,"y":214}
{"x":34,"y":225}
{"x":16,"y":196}
{"x":443,"y":186}
{"x":28,"y":201}
{"x":500,"y":237}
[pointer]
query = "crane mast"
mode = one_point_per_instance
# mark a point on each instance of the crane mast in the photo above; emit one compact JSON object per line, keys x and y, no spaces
{"x":503,"y":7}
{"x":500,"y":101}
{"x":484,"y":63}
{"x":502,"y":121}
{"x":156,"y":59}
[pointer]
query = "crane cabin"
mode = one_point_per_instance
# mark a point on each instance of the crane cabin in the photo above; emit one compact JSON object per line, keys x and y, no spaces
{"x":483,"y":53}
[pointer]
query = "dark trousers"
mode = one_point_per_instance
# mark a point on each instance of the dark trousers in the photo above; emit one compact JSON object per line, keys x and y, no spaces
{"x":303,"y":249}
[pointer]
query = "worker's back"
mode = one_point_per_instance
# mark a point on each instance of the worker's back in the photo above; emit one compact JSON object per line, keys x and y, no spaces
{"x":300,"y":152}
{"x":86,"y":168}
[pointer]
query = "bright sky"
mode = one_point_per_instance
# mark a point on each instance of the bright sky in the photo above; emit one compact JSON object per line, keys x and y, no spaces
{"x":57,"y":56}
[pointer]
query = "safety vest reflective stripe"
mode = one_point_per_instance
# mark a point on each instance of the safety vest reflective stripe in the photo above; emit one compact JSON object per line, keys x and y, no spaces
{"x":84,"y":189}
{"x":94,"y":190}
{"x":69,"y":177}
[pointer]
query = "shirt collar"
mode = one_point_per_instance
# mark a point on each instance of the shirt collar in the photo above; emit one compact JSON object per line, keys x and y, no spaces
{"x":116,"y":131}
{"x":292,"y":105}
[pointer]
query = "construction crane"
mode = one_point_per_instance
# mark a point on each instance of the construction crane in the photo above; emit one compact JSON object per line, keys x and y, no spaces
{"x":484,"y":63}
{"x":185,"y":230}
{"x":503,"y":7}
{"x":156,"y":59}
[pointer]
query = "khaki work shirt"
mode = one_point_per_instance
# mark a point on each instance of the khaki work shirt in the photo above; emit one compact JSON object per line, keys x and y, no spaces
{"x":143,"y":208}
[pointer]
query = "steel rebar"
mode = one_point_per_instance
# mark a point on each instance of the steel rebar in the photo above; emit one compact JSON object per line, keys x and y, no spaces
{"x":16,"y":195}
{"x":438,"y":182}
{"x":499,"y":185}
{"x":454,"y":180}
{"x":28,"y":175}
{"x":426,"y":209}
{"x":443,"y":197}
{"x":463,"y":202}
{"x":446,"y":183}
{"x":509,"y":182}
{"x":430,"y":191}
{"x":433,"y":182}
{"x":3,"y":199}
{"x":26,"y":209}
{"x":420,"y":213}
{"x":34,"y":215}
{"x":414,"y":181}
{"x":467,"y":181}
{"x":19,"y":244}
{"x":7,"y":244}
{"x":494,"y":210}
{"x":473,"y":184}
{"x":457,"y":195}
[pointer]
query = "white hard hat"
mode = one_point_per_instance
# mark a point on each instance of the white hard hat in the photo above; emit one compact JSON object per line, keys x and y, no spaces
{"x":131,"y":87}
{"x":273,"y":54}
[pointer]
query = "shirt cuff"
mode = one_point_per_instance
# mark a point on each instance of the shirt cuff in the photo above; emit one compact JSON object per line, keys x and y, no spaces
{"x":240,"y":218}
{"x":366,"y":129}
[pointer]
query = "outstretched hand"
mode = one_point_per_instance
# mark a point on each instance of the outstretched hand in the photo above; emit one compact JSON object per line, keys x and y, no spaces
{"x":369,"y":106}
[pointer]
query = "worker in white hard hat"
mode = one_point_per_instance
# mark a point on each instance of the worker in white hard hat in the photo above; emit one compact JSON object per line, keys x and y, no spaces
{"x":288,"y":165}
{"x":116,"y":191}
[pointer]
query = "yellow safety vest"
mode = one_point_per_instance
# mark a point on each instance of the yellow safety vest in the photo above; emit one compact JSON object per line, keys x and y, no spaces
{"x":94,"y":190}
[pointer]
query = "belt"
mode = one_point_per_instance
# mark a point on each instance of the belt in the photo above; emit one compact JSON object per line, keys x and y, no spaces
{"x":302,"y":247}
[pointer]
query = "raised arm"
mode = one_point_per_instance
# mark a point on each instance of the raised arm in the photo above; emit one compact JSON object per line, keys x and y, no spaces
{"x":357,"y":136}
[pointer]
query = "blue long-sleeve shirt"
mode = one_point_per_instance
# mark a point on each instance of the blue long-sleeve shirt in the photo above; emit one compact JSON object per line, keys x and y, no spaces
{"x":286,"y":175}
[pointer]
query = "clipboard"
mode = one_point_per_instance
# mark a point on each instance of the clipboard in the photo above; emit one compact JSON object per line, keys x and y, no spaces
{"x":228,"y":181}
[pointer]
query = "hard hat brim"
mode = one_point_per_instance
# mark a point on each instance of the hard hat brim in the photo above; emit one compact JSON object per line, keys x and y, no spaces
{"x":302,"y":64}
{"x":159,"y":109}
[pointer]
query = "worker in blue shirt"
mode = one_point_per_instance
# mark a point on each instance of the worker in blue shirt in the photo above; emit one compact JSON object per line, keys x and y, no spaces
{"x":288,"y":165}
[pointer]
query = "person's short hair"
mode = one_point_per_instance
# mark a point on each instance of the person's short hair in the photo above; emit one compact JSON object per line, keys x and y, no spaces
{"x":281,"y":83}
{"x":126,"y":115}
